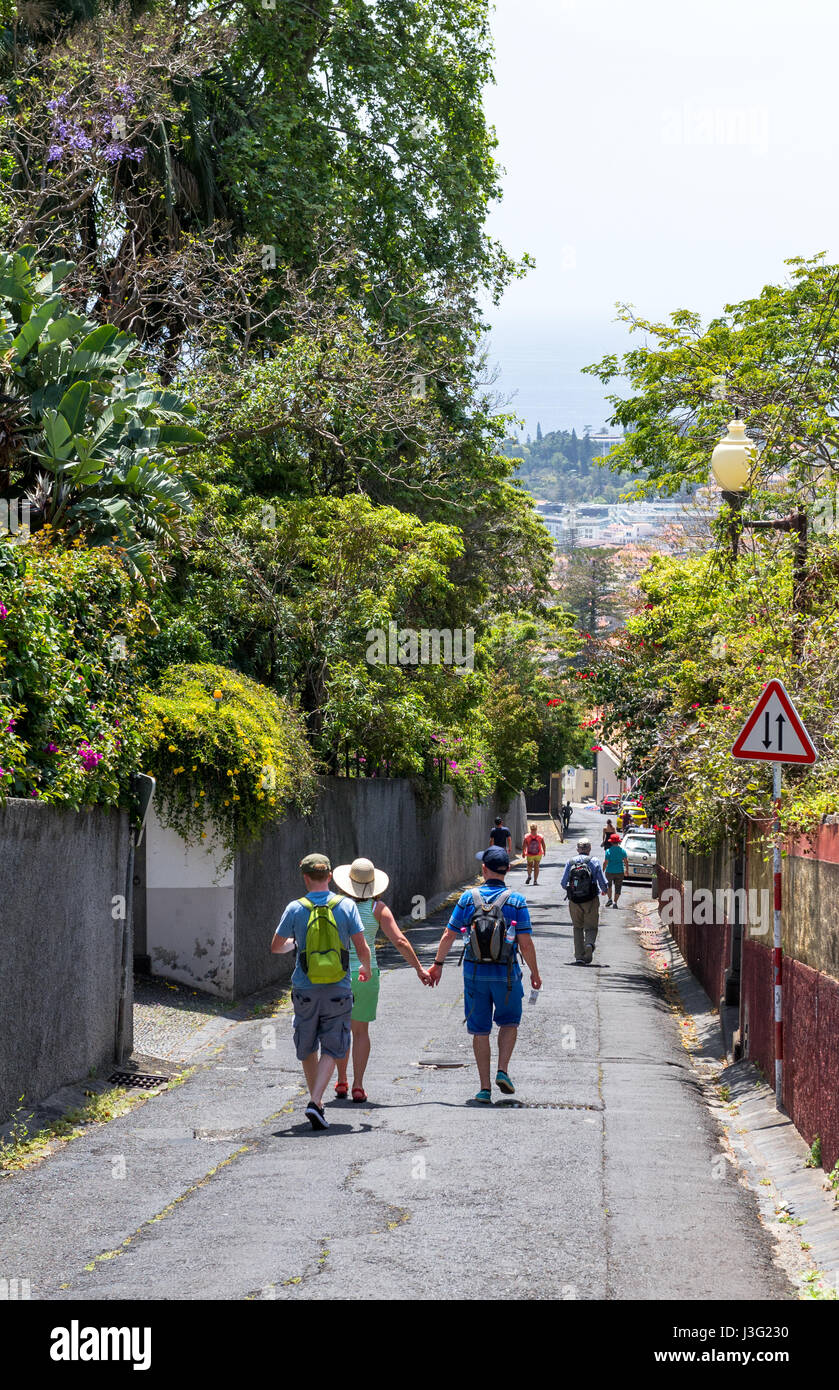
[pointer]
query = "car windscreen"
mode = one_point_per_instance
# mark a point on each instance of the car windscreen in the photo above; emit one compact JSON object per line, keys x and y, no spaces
{"x":639,"y":844}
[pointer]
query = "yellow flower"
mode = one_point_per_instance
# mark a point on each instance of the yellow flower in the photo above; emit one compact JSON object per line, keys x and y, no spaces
{"x":172,"y":748}
{"x":237,"y":798}
{"x":203,"y":793}
{"x":227,"y":803}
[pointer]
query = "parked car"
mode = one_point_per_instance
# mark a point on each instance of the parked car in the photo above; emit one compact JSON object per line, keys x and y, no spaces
{"x":609,"y":805}
{"x":640,"y":853}
{"x":639,"y":815}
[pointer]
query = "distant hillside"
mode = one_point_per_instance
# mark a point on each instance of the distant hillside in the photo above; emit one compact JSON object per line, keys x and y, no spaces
{"x":560,"y":467}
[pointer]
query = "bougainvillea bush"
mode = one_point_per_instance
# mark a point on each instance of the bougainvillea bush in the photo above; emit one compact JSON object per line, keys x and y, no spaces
{"x":69,"y":728}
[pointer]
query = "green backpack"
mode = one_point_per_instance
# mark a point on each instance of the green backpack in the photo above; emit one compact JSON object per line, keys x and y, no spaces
{"x":325,"y":959}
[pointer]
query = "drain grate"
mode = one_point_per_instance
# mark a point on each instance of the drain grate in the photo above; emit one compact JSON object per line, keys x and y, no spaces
{"x":545,"y":1105}
{"x":143,"y":1081}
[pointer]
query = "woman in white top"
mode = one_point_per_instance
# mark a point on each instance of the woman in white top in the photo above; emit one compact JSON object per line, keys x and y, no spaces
{"x":364,"y":883}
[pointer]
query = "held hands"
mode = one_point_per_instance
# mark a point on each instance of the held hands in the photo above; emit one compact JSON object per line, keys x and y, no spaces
{"x":424,"y":976}
{"x":435,"y":974}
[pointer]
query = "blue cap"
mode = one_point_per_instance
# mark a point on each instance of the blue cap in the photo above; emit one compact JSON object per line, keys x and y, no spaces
{"x":495,"y":858}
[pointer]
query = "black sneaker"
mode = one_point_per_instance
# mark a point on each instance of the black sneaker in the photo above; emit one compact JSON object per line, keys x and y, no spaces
{"x":316,"y":1117}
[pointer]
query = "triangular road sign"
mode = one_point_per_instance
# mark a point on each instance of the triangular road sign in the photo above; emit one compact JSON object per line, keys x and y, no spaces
{"x":773,"y":732}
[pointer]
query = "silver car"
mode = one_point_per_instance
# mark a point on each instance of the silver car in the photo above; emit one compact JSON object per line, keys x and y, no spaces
{"x":640,"y":854}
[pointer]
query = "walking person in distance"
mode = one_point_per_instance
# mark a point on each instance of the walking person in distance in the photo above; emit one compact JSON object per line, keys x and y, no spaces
{"x":583,"y":881}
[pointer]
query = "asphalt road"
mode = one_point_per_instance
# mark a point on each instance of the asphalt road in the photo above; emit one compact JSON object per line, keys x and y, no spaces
{"x":606,"y":1183}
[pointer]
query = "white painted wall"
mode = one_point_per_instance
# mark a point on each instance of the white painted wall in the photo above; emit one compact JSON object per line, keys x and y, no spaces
{"x":189,"y":909}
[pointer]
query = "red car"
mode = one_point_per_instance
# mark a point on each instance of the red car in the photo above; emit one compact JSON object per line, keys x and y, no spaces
{"x":609,"y":805}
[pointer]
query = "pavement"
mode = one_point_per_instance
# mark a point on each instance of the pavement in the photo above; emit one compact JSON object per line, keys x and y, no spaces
{"x":606,"y":1179}
{"x":796,"y":1203}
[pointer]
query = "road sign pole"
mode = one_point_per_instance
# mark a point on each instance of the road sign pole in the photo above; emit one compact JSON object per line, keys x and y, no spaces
{"x":774,"y":733}
{"x":777,"y":956}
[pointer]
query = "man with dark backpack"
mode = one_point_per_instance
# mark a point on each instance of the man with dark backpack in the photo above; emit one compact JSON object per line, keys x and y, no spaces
{"x":494,"y":924}
{"x":583,"y":880}
{"x":321,"y":925}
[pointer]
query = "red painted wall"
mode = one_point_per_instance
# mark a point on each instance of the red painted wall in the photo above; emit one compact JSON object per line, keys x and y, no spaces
{"x":706,"y":947}
{"x":811,"y":1041}
{"x":811,"y":1006}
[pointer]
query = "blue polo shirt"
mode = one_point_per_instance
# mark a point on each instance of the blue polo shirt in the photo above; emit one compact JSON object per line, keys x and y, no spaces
{"x":514,"y":910}
{"x":295,"y":921}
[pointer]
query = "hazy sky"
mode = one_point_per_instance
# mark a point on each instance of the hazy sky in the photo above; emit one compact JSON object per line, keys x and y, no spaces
{"x":663,"y":152}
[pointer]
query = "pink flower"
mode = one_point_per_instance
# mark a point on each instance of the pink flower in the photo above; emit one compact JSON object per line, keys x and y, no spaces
{"x":4,"y":612}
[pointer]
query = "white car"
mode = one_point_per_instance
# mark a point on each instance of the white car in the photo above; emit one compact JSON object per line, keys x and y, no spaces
{"x":640,"y":853}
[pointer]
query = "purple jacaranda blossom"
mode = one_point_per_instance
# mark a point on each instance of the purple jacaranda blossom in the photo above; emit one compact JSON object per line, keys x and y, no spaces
{"x":55,"y":152}
{"x":113,"y":152}
{"x":125,"y":93}
{"x":56,"y":102}
{"x":4,"y":100}
{"x":137,"y":154}
{"x":80,"y":141}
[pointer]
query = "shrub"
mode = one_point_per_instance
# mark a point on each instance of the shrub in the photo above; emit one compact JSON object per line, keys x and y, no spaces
{"x":239,"y":762}
{"x":69,"y":731}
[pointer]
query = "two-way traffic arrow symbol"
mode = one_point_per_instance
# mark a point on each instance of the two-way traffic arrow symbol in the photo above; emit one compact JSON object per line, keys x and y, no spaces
{"x":792,"y":743}
{"x":767,"y":742}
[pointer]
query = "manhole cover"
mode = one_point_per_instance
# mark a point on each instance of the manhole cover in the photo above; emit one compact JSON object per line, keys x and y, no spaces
{"x":440,"y":1063}
{"x":138,"y":1080}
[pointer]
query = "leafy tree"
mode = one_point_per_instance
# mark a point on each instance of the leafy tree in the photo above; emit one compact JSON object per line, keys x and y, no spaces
{"x":774,"y":356}
{"x":589,"y":587}
{"x":677,"y":686}
{"x":85,"y":434}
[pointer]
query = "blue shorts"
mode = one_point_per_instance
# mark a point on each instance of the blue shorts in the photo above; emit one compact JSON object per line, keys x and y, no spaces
{"x":487,"y":994}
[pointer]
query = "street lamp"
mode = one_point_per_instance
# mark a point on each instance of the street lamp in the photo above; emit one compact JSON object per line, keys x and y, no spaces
{"x":732,"y":462}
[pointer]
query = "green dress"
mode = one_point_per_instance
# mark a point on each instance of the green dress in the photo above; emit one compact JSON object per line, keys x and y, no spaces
{"x":365,"y":992}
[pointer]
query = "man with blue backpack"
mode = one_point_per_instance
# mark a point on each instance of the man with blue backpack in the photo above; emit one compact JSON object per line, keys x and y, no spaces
{"x":321,"y":925}
{"x":494,"y":924}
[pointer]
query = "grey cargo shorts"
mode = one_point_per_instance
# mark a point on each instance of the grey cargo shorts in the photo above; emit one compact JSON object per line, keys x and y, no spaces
{"x":322,"y":1019}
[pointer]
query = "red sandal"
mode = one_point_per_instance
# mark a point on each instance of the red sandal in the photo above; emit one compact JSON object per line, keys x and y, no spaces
{"x":341,"y":1089}
{"x":359,"y":1094}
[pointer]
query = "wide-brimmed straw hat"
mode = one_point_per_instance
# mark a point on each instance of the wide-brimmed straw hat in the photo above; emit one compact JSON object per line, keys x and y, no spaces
{"x":360,"y":879}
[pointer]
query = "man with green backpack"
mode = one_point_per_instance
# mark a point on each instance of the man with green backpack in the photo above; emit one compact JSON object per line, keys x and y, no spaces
{"x":321,"y":925}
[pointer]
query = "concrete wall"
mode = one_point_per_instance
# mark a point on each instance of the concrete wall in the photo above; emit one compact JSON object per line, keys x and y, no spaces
{"x":59,"y":945}
{"x":212,"y":929}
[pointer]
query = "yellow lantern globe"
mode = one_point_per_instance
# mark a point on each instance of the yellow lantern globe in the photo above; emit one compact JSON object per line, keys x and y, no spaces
{"x":733,"y":459}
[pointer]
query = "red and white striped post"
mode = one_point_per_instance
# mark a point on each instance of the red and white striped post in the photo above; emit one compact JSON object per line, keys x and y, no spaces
{"x":777,"y":954}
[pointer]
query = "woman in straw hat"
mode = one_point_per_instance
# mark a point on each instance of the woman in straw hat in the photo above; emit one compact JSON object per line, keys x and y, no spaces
{"x":364,"y":883}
